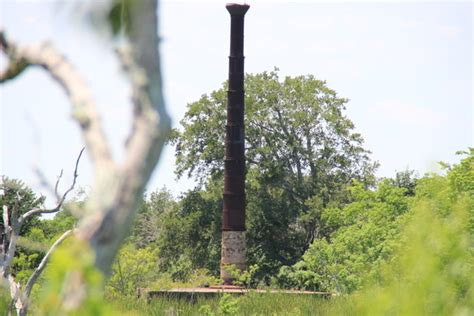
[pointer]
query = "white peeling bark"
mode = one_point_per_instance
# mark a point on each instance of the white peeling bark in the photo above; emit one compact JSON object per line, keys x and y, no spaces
{"x":15,"y":294}
{"x":117,"y":188}
{"x":12,"y":223}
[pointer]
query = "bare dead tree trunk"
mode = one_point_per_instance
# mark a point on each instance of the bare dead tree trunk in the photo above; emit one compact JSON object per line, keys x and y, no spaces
{"x":12,"y":223}
{"x":117,"y":188}
{"x":123,"y":185}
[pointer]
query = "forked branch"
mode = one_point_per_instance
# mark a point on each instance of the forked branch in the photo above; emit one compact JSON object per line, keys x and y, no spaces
{"x":61,"y":200}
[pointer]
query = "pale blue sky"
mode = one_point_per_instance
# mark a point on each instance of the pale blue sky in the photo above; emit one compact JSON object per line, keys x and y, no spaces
{"x":406,"y":68}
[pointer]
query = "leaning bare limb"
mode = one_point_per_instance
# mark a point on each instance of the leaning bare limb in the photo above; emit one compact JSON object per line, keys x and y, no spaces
{"x":61,"y":199}
{"x":19,"y":297}
{"x":34,"y":277}
{"x":61,"y":70}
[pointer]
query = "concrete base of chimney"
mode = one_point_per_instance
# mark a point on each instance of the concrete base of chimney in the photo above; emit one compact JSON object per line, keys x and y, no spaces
{"x":232,"y":254}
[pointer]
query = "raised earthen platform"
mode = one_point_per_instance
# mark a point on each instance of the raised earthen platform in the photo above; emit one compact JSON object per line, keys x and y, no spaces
{"x":193,"y":294}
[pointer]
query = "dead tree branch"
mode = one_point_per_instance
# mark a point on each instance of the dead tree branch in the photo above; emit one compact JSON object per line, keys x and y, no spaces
{"x":12,"y":223}
{"x":16,"y":64}
{"x":61,"y":200}
{"x":106,"y":230}
{"x":61,"y":70}
{"x":20,"y":299}
{"x":44,"y":182}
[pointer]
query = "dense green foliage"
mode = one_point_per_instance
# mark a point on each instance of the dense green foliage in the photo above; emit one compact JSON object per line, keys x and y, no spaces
{"x":35,"y":235}
{"x":191,"y":236}
{"x":300,"y":149}
{"x":365,"y":233}
{"x":294,"y":127}
{"x":317,"y":219}
{"x":432,"y":272}
{"x":133,"y":269}
{"x":403,"y":249}
{"x":15,"y":194}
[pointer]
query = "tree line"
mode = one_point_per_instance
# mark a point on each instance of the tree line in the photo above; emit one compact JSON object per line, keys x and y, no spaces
{"x":317,"y":216}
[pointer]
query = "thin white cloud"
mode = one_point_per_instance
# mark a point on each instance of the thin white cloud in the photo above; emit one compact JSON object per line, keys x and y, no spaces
{"x":411,"y":114}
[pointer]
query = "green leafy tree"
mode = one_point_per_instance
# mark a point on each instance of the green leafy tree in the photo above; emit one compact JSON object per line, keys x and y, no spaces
{"x":21,"y":264}
{"x":186,"y":233}
{"x":295,"y":130}
{"x":36,"y":234}
{"x":15,"y":194}
{"x":148,"y":222}
{"x":190,"y":236}
{"x":407,"y":179}
{"x":365,"y":234}
{"x":299,"y":147}
{"x":432,"y":272}
{"x":133,"y":269}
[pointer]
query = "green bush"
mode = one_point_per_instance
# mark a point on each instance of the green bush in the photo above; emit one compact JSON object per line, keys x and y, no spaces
{"x":133,"y":269}
{"x":366,"y":232}
{"x":432,"y":273}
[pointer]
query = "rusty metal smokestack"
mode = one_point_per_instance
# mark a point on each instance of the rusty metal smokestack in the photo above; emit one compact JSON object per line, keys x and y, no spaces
{"x":233,"y":217}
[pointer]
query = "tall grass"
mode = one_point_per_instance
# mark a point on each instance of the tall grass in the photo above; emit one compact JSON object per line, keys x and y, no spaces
{"x":248,"y":304}
{"x":431,"y":273}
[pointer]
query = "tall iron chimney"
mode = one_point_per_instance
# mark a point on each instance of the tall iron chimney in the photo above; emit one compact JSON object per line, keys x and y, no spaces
{"x":233,"y":215}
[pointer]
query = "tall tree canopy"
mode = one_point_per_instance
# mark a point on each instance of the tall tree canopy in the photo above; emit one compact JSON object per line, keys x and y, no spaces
{"x":295,"y":127}
{"x":301,"y":150}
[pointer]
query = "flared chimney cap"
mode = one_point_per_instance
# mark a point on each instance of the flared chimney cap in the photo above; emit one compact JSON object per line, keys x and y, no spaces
{"x":237,"y":8}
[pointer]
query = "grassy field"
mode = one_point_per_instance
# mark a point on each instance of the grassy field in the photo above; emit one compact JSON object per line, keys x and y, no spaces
{"x":249,"y":304}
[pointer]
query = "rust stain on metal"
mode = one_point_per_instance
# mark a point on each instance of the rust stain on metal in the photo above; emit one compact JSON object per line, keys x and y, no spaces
{"x":233,"y":213}
{"x":234,"y":166}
